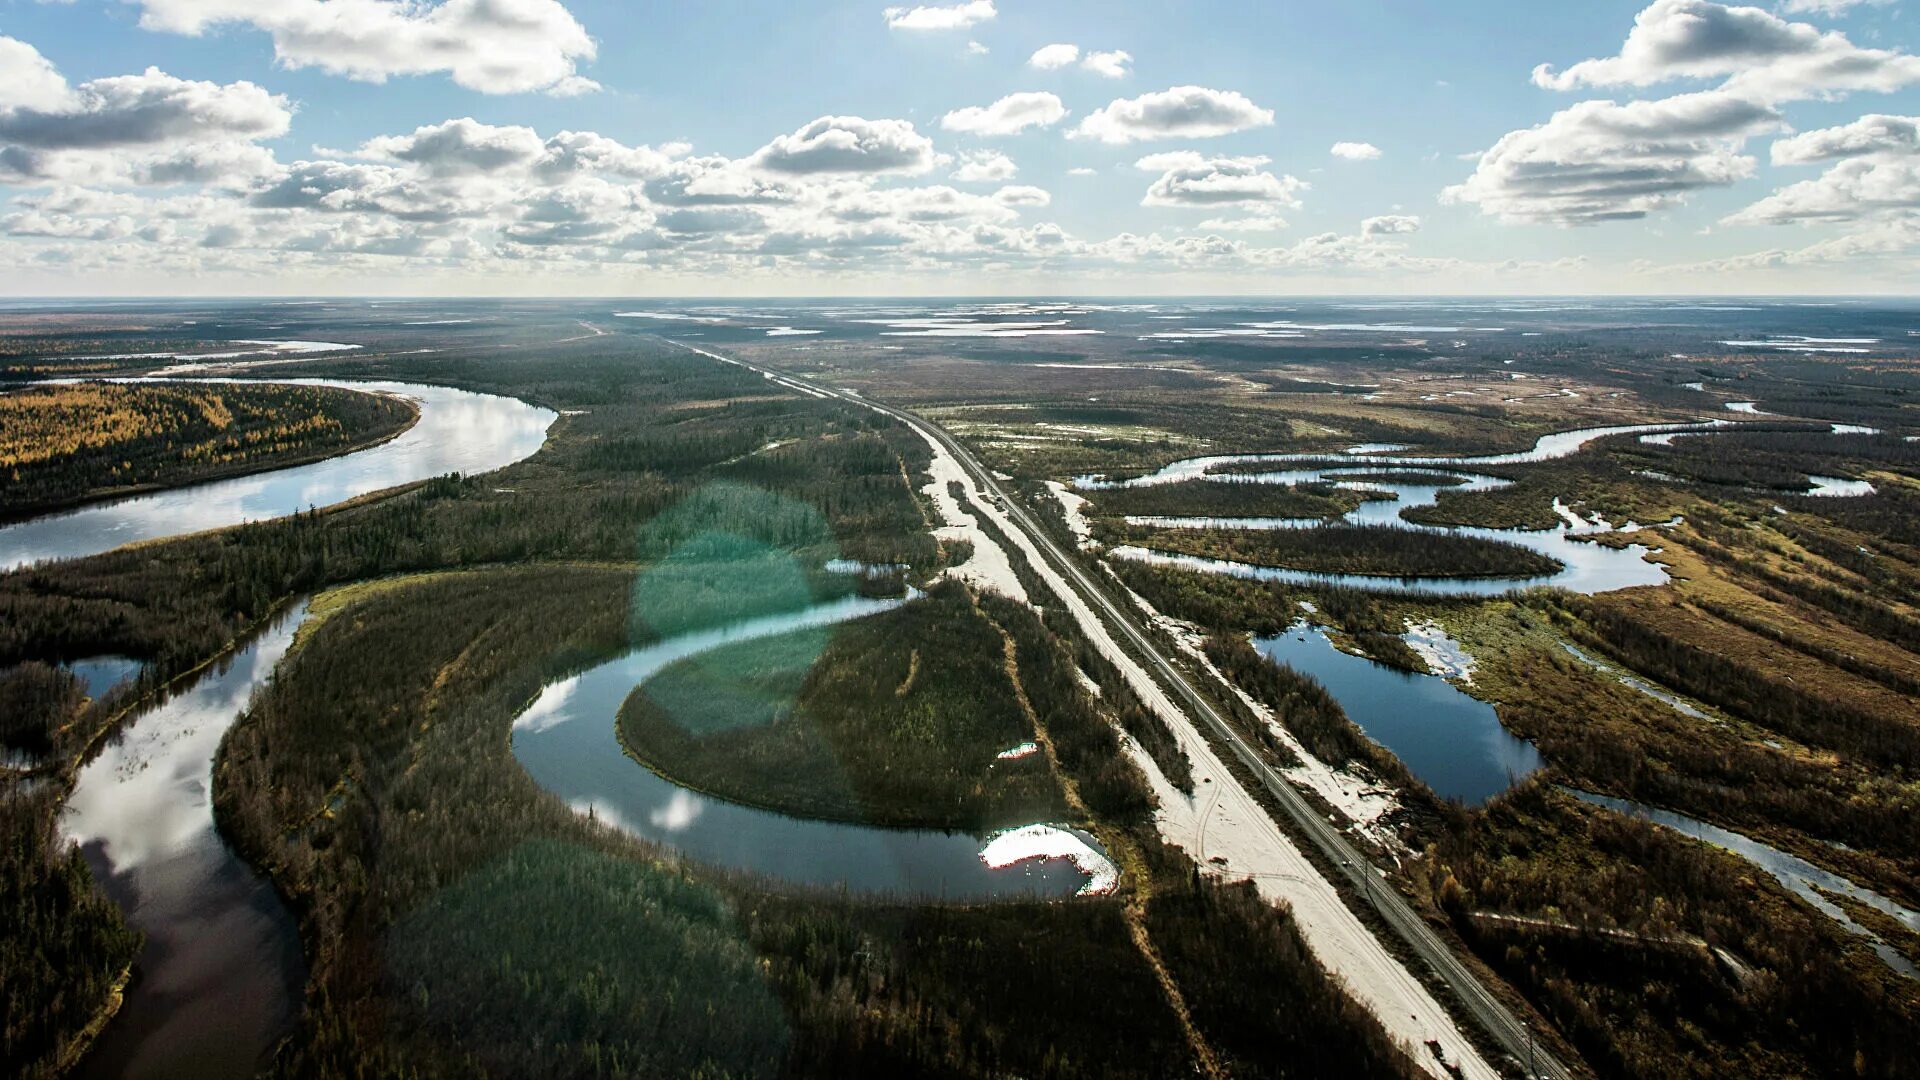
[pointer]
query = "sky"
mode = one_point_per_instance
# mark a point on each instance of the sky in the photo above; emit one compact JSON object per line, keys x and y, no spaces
{"x":983,"y":147}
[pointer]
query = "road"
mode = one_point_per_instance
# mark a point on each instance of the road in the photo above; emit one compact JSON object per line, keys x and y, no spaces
{"x":1473,"y":997}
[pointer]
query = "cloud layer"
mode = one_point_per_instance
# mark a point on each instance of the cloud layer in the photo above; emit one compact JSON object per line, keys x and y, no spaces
{"x":492,"y":46}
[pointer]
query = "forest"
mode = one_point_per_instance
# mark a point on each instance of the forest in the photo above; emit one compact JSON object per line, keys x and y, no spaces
{"x":412,"y":930}
{"x":1373,"y":550}
{"x":69,"y":444}
{"x":1212,"y":498}
{"x":896,"y":719}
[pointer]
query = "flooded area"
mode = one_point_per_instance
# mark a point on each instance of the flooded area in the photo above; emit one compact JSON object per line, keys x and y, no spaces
{"x":568,"y":742}
{"x":1796,"y":875}
{"x":1451,"y":741}
{"x":218,"y":980}
{"x":458,"y":431}
{"x":1586,"y":567}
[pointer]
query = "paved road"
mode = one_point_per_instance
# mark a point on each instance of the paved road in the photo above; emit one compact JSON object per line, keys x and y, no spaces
{"x":1486,"y":1010}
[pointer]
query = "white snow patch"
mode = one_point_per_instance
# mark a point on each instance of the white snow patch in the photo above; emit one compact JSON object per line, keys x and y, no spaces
{"x":1445,"y":656}
{"x":1048,"y":842}
{"x":1073,"y":507}
{"x":989,"y":568}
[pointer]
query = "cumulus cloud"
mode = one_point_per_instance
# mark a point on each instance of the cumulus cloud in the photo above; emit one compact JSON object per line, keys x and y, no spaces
{"x":849,"y":145}
{"x":492,"y":46}
{"x":1390,"y":225}
{"x":1111,"y":63}
{"x":149,"y":128}
{"x":1054,"y":57}
{"x":29,"y":80}
{"x":936,"y":17}
{"x":1604,"y":161}
{"x":1022,"y":195}
{"x":460,"y":147}
{"x":1355,"y":151}
{"x":1191,"y":179}
{"x":1877,"y":174}
{"x":1851,"y":190}
{"x":1007,"y":116}
{"x":1178,"y":112}
{"x":1871,"y":134}
{"x":985,"y":166}
{"x":1114,"y":64}
{"x":1758,"y":53}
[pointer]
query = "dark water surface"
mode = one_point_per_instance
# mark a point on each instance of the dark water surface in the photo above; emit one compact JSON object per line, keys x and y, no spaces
{"x":1452,"y":741}
{"x":218,"y":981}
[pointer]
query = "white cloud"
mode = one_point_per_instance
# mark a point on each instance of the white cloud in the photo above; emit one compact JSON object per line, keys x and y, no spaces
{"x":1011,"y":114}
{"x":985,"y":166}
{"x":1022,"y":195}
{"x":1871,"y":134}
{"x":459,"y":148}
{"x":1602,"y":161}
{"x":1112,"y":63}
{"x":1877,"y":175}
{"x":1849,"y":191}
{"x":149,"y":128}
{"x":1115,"y":64}
{"x":29,"y":80}
{"x":849,"y":145}
{"x":1054,"y":57}
{"x":1355,"y":151}
{"x":1191,"y":179}
{"x":1390,"y":225}
{"x":1259,"y":221}
{"x":492,"y":46}
{"x":1179,"y":112}
{"x":1759,"y":54}
{"x":1083,"y":171}
{"x":934,"y":17}
{"x":974,"y":48}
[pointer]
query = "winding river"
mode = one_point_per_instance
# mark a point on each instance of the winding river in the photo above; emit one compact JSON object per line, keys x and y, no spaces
{"x":567,"y":741}
{"x":1586,"y":567}
{"x":220,"y":975}
{"x":458,"y":431}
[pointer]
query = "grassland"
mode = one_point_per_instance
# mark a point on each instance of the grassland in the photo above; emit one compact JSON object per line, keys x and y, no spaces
{"x":64,"y":445}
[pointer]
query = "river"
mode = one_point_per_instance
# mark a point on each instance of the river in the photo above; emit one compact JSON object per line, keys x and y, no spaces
{"x":219,"y":978}
{"x":567,"y":741}
{"x":458,"y":431}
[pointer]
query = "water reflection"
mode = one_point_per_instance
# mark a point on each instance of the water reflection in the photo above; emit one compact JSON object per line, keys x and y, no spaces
{"x":100,"y":674}
{"x":1450,"y":741}
{"x":458,"y":431}
{"x":568,"y":742}
{"x":220,"y":974}
{"x":1586,"y":567}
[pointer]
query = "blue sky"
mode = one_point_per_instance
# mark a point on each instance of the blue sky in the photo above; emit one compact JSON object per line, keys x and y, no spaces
{"x":303,"y":146}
